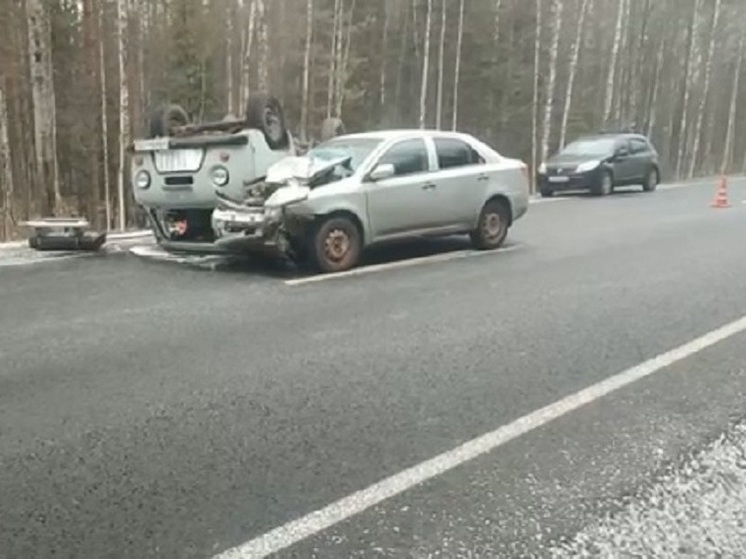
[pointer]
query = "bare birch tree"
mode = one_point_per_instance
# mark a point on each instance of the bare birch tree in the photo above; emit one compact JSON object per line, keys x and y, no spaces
{"x":457,"y":69}
{"x":44,"y":102}
{"x":124,"y":110}
{"x":552,"y":80}
{"x":263,"y":47}
{"x":705,"y":92}
{"x":691,"y":53}
{"x":306,"y":72}
{"x":104,"y":121}
{"x":6,"y":171}
{"x":574,"y":58}
{"x":610,"y":80}
{"x":535,"y":101}
{"x":246,"y":47}
{"x":441,"y":49}
{"x":425,"y":65}
{"x":732,"y":113}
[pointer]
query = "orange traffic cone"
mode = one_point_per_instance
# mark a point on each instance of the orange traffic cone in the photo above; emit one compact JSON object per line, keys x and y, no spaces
{"x":721,"y":198}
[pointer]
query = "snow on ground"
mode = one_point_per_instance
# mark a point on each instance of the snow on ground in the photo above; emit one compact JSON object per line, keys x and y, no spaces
{"x":697,"y":511}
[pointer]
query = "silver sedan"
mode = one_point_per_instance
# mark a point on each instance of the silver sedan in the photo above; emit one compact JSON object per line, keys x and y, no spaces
{"x":357,"y":190}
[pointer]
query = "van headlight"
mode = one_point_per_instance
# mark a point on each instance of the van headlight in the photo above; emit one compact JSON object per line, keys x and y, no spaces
{"x":142,"y":180}
{"x":220,"y":176}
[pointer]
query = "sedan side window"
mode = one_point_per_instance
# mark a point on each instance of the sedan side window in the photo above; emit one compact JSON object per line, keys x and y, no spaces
{"x":407,"y":157}
{"x":455,"y":153}
{"x":639,"y":146}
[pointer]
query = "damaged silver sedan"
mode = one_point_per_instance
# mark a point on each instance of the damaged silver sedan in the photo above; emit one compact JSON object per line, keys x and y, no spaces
{"x":356,"y":190}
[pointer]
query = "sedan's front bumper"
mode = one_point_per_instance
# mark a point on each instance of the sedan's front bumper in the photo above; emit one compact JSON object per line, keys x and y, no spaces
{"x":250,"y":230}
{"x":572,"y":181}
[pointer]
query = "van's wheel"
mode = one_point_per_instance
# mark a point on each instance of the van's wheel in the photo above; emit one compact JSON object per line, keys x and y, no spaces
{"x":651,"y":181}
{"x":494,"y":222}
{"x":331,"y":128}
{"x":164,"y":119}
{"x":605,"y":185}
{"x":336,"y":245}
{"x":264,"y":112}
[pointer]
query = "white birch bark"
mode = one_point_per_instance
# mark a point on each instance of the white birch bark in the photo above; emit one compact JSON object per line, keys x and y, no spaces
{"x":306,"y":72}
{"x":124,"y":110}
{"x":262,"y":47}
{"x":535,"y":101}
{"x":333,"y":59}
{"x":384,"y":57}
{"x":248,"y":42}
{"x":43,"y":95}
{"x":653,"y":108}
{"x":552,"y":79}
{"x":574,"y":58}
{"x":229,"y":62}
{"x":104,"y":121}
{"x":457,"y":69}
{"x":730,"y":134}
{"x":6,"y":172}
{"x":425,"y":65}
{"x":610,"y":79}
{"x":695,"y":156}
{"x":441,"y":50}
{"x":682,"y":140}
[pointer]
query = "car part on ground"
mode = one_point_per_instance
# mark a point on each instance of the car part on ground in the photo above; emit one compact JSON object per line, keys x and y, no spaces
{"x":356,"y":190}
{"x":63,"y":233}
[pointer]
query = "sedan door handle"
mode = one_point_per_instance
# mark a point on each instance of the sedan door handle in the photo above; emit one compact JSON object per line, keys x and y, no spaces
{"x":482,"y":177}
{"x":428,"y":186}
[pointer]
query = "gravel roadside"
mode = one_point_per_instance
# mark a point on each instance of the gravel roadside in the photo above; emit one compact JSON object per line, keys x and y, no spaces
{"x":697,"y":511}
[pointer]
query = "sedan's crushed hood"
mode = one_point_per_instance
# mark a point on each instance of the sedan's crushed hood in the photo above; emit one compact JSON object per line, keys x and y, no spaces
{"x":303,"y":169}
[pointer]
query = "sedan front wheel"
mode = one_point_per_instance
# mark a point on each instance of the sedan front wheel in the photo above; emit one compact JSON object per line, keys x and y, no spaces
{"x":337,"y":245}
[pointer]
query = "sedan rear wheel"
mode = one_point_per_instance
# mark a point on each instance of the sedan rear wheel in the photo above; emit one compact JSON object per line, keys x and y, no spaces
{"x":337,"y":245}
{"x":494,"y":222}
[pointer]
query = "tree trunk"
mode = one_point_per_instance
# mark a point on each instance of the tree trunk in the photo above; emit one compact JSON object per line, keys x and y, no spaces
{"x":574,"y":58}
{"x":6,"y":169}
{"x":248,"y":41}
{"x":441,"y":49}
{"x":549,"y":100}
{"x":384,"y":57}
{"x":610,"y":80}
{"x":44,"y":104}
{"x":333,"y":58}
{"x":345,"y":41}
{"x":729,"y":137}
{"x":691,"y":51}
{"x":425,"y":65}
{"x":230,"y":109}
{"x":535,"y":102}
{"x":705,"y":92}
{"x":306,"y":72}
{"x":457,"y":69}
{"x":263,"y":47}
{"x":124,"y":114}
{"x":104,"y":120}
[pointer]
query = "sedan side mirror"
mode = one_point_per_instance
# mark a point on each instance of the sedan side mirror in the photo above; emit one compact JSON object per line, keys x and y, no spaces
{"x":622,"y":152}
{"x":382,"y":172}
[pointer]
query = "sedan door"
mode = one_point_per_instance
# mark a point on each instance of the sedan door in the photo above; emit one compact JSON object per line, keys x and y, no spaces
{"x":624,"y":164}
{"x":460,"y":182}
{"x":404,"y":203}
{"x":642,"y":157}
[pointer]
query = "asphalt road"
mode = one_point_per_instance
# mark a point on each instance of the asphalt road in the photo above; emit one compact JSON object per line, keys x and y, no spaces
{"x":158,"y":410}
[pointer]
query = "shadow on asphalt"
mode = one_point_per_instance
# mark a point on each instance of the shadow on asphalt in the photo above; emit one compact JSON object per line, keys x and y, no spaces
{"x":285,"y":270}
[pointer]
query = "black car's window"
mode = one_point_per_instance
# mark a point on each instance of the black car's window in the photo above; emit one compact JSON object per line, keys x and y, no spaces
{"x":590,"y":147}
{"x":639,"y":146}
{"x":407,"y":157}
{"x":455,"y":153}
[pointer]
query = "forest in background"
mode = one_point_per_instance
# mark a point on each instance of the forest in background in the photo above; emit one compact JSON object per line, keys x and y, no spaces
{"x":79,"y":77}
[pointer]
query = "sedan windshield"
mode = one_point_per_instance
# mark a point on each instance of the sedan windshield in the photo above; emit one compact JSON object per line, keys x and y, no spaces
{"x":358,"y":148}
{"x":595,"y":147}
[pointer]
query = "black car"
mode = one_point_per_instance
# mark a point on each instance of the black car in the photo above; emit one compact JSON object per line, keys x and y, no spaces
{"x":599,"y":163}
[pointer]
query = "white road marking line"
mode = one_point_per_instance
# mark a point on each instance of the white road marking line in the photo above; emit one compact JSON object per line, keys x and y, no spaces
{"x":445,"y":257}
{"x":312,"y":524}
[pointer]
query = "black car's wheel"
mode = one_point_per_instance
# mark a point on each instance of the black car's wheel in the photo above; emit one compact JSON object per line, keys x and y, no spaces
{"x":651,"y":180}
{"x":263,"y":112}
{"x":546,"y":193}
{"x":164,"y":119}
{"x":605,"y":184}
{"x":494,"y":222}
{"x":337,"y":245}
